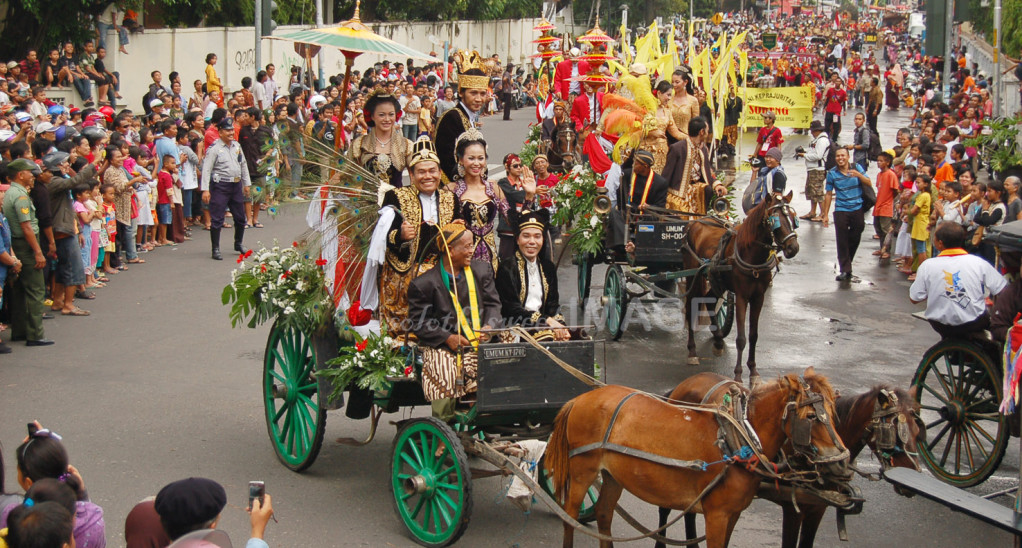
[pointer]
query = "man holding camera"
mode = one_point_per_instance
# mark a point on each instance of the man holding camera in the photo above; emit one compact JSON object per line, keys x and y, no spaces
{"x":816,"y":169}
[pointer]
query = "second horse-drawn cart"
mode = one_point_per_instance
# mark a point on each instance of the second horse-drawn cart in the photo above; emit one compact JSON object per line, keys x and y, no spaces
{"x":653,"y":271}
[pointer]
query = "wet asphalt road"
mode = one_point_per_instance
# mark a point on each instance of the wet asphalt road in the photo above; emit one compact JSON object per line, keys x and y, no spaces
{"x":155,"y":386}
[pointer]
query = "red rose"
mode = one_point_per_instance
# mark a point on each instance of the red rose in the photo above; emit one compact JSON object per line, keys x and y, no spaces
{"x":241,"y":258}
{"x":357,"y":315}
{"x":601,"y":183}
{"x":262,"y":267}
{"x":320,"y":262}
{"x":360,"y":346}
{"x":294,"y":244}
{"x":408,"y":371}
{"x":578,"y":193}
{"x":285,"y":274}
{"x":247,"y":254}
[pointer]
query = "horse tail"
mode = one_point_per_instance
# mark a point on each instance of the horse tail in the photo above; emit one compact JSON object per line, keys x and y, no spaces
{"x":556,"y":455}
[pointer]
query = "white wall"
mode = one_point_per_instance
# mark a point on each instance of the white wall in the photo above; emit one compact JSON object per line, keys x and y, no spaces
{"x":184,"y":51}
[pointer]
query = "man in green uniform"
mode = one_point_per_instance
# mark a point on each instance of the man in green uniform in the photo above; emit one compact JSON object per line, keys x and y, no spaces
{"x":29,"y":289}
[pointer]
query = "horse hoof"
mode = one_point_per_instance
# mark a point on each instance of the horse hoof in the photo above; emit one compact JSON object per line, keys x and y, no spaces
{"x":693,"y":360}
{"x":754,"y":382}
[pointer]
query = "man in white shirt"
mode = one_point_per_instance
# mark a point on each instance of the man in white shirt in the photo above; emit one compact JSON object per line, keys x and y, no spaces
{"x":816,"y":168}
{"x":259,"y":91}
{"x":955,"y":284}
{"x":270,"y":84}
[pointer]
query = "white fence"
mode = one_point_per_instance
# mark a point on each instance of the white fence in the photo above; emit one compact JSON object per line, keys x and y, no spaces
{"x":184,"y":51}
{"x":983,"y":55}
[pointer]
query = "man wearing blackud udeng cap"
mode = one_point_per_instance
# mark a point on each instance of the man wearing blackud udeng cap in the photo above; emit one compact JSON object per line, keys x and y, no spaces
{"x":29,"y":289}
{"x":194,"y":504}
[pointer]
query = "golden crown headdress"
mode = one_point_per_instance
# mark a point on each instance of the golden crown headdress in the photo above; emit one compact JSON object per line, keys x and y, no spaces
{"x":468,"y":60}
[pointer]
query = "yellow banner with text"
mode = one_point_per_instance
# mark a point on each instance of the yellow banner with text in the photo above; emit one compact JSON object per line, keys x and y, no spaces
{"x":793,"y":106}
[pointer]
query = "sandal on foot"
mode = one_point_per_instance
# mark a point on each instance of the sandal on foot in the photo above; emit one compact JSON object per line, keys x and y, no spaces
{"x":87,"y":295}
{"x":75,"y":312}
{"x":806,"y":217}
{"x":137,"y":261}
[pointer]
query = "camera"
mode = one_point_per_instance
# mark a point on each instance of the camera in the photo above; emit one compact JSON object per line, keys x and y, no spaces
{"x":799,"y":150}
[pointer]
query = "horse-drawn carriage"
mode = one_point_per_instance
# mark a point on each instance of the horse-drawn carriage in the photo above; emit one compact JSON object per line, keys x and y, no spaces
{"x":520,"y":390}
{"x":959,"y":386}
{"x":702,"y":259}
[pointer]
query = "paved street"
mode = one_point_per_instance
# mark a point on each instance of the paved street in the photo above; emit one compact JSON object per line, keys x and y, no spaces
{"x":156,"y":386}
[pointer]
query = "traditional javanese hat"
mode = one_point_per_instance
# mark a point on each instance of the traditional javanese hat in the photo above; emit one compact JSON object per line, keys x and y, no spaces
{"x":423,"y":151}
{"x":450,"y":233}
{"x":468,"y":60}
{"x":531,"y":219}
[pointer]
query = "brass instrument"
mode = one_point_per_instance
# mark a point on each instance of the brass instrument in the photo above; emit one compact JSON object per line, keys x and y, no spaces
{"x":602,"y":202}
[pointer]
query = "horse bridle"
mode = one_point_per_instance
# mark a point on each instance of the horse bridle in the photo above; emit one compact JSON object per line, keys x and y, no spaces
{"x":888,"y":432}
{"x":802,"y":429}
{"x":568,"y":132}
{"x":773,"y":221}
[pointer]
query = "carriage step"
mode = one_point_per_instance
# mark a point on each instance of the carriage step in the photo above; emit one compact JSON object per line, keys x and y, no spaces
{"x":956,"y":499}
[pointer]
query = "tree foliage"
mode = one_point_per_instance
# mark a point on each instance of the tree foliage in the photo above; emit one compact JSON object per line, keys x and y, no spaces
{"x":981,"y":15}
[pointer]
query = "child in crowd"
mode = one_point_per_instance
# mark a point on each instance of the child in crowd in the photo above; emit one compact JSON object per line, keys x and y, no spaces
{"x":42,"y":455}
{"x":109,"y":231}
{"x":96,"y":226}
{"x":165,"y":197}
{"x":920,"y":214}
{"x":82,"y":192}
{"x":144,"y":191}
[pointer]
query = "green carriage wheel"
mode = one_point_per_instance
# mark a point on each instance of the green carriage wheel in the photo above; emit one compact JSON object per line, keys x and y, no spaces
{"x":724,"y":319}
{"x":295,"y":418}
{"x":959,"y":391}
{"x":585,"y":278}
{"x":587,"y":513}
{"x":615,"y":301}
{"x":431,"y":482}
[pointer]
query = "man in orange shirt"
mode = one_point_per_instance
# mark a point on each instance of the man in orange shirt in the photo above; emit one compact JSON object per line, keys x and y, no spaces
{"x":945,"y":171}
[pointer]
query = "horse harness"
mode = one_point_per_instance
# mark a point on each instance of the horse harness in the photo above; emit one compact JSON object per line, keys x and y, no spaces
{"x":737,"y":440}
{"x":888,"y":432}
{"x":802,"y":429}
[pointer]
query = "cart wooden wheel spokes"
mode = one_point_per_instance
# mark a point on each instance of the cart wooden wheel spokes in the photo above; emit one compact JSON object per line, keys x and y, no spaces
{"x":587,"y":513}
{"x":959,"y":390}
{"x":615,"y":301}
{"x":431,"y":482}
{"x":295,"y":419}
{"x":724,"y":317}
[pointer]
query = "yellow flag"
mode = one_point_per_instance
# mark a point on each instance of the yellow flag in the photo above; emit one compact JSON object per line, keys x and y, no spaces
{"x":707,"y":78}
{"x":691,"y":43}
{"x":624,"y":44}
{"x":722,"y":48}
{"x":669,"y":59}
{"x":644,"y":52}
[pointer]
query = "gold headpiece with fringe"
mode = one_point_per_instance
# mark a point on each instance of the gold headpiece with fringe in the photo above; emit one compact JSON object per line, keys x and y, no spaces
{"x":423,"y":150}
{"x":470,"y":134}
{"x":468,"y":60}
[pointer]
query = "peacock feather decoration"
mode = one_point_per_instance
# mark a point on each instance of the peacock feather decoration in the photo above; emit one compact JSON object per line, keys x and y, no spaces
{"x":343,"y":199}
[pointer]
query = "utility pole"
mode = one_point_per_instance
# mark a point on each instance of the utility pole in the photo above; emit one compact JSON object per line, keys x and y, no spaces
{"x":259,"y":35}
{"x":948,"y":23}
{"x":998,"y":89}
{"x":319,"y":24}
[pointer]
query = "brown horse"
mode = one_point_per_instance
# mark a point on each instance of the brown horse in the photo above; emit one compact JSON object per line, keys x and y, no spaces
{"x":885,"y":419}
{"x":748,"y":257}
{"x":646,"y":424}
{"x":564,"y":153}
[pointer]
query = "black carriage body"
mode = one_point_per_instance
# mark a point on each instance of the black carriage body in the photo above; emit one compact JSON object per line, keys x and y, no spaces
{"x":659,"y":240}
{"x":517,"y":377}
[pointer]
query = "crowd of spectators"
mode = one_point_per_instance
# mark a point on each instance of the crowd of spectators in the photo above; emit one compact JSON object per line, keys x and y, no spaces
{"x":88,"y":190}
{"x":55,"y":510}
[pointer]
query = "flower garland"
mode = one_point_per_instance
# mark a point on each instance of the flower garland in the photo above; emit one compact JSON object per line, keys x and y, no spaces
{"x":369,"y":364}
{"x":283,"y":284}
{"x":574,"y":196}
